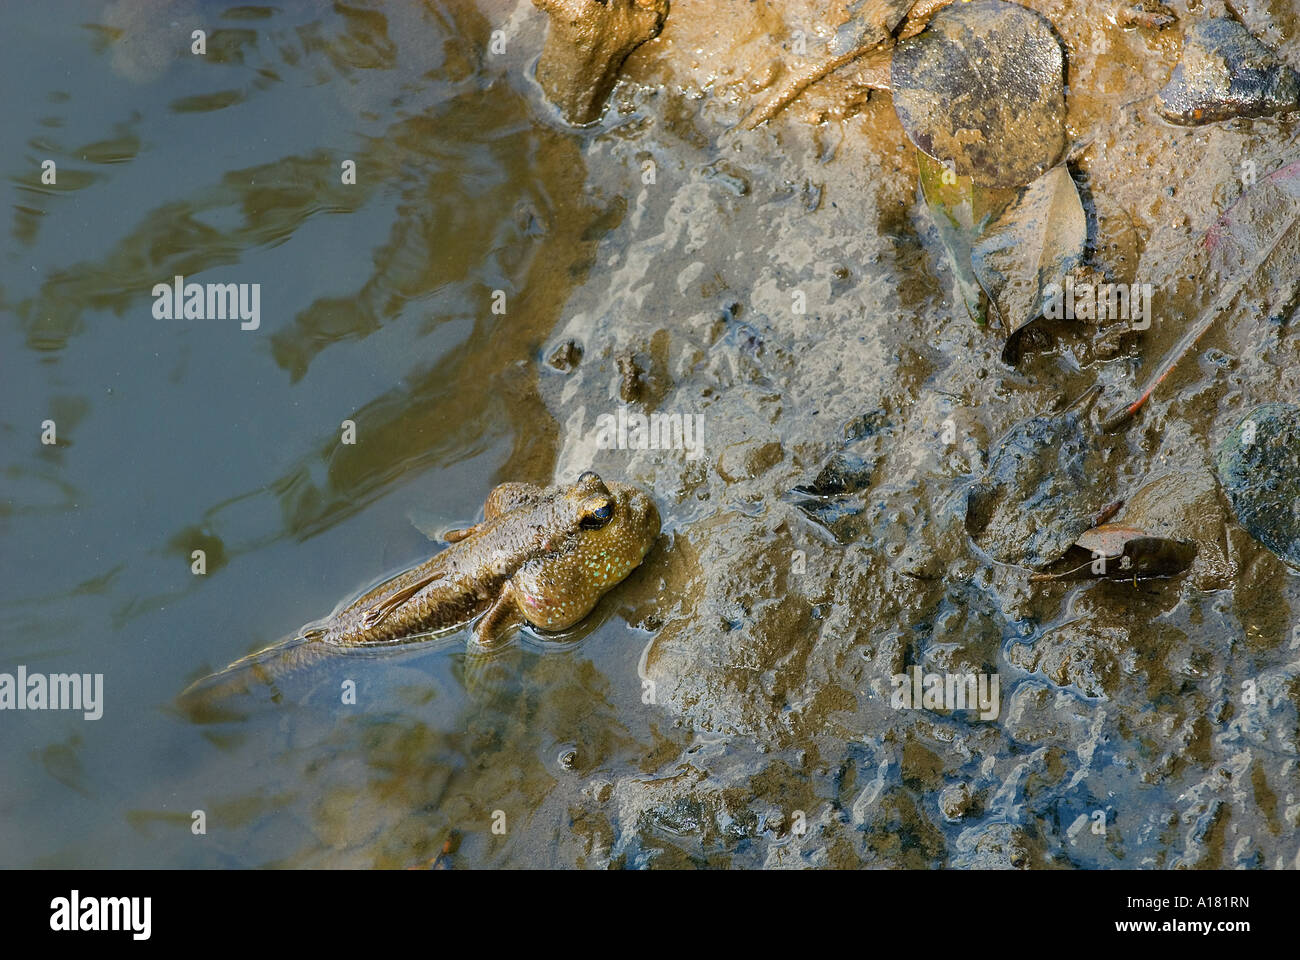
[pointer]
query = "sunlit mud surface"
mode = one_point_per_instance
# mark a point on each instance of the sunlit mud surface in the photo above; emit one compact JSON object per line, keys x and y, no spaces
{"x":729,"y":703}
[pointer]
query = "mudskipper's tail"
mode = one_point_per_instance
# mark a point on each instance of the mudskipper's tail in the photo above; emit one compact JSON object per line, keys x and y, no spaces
{"x":206,"y":699}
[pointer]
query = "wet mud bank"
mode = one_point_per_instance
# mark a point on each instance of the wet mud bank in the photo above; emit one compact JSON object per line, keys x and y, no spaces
{"x":786,"y":284}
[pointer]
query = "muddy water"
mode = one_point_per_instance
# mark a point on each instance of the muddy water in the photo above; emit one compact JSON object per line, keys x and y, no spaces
{"x":730,"y":702}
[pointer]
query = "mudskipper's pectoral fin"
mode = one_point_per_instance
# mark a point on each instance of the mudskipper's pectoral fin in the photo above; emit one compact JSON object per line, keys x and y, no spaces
{"x":381,"y":609}
{"x":506,"y":497}
{"x":501,"y":620}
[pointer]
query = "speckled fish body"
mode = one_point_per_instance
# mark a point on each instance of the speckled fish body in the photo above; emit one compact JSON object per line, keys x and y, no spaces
{"x":543,"y":556}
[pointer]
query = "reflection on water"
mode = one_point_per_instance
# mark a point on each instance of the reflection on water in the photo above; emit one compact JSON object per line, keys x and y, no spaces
{"x":184,"y":435}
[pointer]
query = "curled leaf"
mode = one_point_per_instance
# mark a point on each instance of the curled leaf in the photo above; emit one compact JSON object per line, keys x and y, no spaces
{"x":1151,"y":14}
{"x":1029,"y":249}
{"x":1118,"y":551}
{"x":959,"y":210}
{"x":1252,"y":250}
{"x":1258,"y":239}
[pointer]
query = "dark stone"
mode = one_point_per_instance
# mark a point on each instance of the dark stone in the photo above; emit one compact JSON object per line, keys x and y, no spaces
{"x":845,"y":472}
{"x":566,"y":356}
{"x":1226,"y":73}
{"x":1259,"y":467}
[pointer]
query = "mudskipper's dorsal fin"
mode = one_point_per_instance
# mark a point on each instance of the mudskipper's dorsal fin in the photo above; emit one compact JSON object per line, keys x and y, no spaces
{"x":377,"y":613}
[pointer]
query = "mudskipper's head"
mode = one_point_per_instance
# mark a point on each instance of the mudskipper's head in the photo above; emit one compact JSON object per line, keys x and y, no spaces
{"x":611,"y":529}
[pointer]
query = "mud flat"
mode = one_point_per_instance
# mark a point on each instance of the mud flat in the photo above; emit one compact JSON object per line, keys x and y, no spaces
{"x":784,"y":284}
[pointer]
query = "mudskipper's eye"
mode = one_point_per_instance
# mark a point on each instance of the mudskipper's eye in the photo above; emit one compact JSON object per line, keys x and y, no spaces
{"x":587,"y":476}
{"x":597,"y":514}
